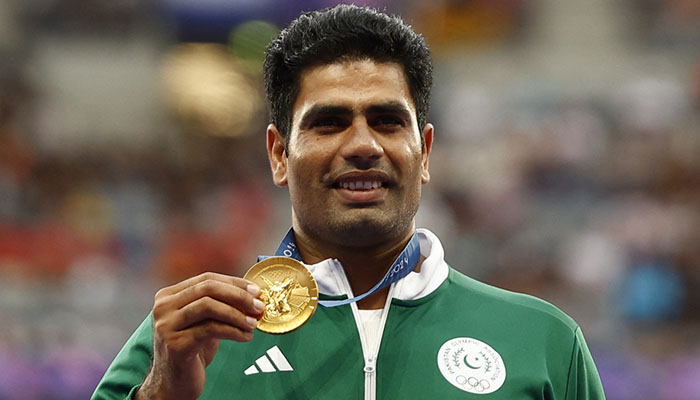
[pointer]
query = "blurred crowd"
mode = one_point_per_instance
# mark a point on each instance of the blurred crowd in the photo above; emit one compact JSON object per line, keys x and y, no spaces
{"x":566,"y":165}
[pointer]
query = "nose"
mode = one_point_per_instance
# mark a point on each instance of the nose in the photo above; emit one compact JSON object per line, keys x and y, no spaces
{"x":361,"y":145}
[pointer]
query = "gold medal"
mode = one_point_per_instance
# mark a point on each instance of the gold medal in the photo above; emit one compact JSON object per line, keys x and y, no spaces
{"x":288,"y":290}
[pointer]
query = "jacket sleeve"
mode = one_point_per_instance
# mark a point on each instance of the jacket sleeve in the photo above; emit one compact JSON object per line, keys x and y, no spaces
{"x":130,"y":366}
{"x":584,"y":382}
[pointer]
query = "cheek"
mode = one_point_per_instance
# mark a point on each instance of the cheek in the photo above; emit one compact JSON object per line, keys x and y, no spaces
{"x":304,"y":172}
{"x":409,"y":159}
{"x":296,"y":176}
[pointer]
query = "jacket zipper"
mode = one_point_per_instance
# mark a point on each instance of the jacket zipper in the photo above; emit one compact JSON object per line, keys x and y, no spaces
{"x":370,"y":355}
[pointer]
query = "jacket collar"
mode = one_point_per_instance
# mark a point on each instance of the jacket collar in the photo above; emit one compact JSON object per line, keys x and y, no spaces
{"x":330,"y":275}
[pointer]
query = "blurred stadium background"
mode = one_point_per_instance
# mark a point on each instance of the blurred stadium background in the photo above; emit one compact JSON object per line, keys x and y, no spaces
{"x":566,"y":165}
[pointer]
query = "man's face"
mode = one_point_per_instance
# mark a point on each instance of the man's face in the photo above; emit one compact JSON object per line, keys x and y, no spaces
{"x":355,"y":163}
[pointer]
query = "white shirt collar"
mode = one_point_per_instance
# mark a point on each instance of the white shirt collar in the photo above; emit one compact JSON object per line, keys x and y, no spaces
{"x":330,"y":276}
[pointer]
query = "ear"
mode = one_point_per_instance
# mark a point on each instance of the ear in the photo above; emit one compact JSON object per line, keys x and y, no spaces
{"x":277,"y":155}
{"x":425,"y":157}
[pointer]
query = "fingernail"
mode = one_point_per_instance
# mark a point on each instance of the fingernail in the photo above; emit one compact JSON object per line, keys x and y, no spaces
{"x":251,"y":321}
{"x":258,"y":305}
{"x":253,"y":289}
{"x":248,"y":335}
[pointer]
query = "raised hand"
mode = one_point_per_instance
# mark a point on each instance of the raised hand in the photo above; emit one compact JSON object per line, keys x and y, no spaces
{"x":189,"y":320}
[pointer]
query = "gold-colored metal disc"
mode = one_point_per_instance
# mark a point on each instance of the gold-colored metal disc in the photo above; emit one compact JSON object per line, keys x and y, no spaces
{"x":289,"y":291}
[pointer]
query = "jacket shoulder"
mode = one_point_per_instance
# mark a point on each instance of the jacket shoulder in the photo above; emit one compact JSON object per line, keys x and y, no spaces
{"x":506,"y":301}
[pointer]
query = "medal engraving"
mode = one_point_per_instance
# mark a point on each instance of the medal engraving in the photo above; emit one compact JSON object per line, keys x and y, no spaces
{"x":289,"y":292}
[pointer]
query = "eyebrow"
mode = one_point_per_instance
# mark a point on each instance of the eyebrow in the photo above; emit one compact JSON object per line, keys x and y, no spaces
{"x":391,"y":107}
{"x":323,"y":109}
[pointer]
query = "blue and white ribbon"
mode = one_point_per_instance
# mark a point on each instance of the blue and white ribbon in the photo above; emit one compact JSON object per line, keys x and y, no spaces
{"x":402,"y":266}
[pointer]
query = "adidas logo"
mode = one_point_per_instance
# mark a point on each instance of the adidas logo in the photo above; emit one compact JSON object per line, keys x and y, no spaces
{"x":265,"y":364}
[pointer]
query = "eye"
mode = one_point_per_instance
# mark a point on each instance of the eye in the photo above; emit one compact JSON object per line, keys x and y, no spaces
{"x":328,"y":124}
{"x":388,"y":121}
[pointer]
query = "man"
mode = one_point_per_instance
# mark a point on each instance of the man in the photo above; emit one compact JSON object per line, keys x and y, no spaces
{"x":349,"y":90}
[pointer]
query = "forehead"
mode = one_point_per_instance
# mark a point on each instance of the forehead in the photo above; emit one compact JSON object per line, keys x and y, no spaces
{"x":355,"y":84}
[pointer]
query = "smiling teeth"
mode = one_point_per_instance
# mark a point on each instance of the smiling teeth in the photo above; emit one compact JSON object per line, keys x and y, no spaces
{"x":360,"y":185}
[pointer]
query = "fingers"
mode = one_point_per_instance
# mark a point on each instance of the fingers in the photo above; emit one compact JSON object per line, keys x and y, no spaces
{"x":217,"y":330}
{"x":207,"y":308}
{"x":178,"y":287}
{"x":236,"y":292}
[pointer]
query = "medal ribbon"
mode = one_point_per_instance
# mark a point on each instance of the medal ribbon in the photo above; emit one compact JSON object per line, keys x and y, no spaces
{"x":402,"y":266}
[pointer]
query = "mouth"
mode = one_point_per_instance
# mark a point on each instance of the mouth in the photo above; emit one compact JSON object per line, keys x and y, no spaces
{"x":359,"y":185}
{"x":362,"y":187}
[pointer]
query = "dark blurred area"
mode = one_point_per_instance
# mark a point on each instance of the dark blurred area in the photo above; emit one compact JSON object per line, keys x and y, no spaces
{"x":566,"y":165}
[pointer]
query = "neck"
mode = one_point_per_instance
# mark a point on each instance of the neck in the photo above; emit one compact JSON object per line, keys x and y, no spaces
{"x":364,"y":266}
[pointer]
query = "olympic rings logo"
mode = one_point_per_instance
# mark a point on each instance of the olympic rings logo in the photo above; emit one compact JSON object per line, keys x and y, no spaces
{"x":474,"y":383}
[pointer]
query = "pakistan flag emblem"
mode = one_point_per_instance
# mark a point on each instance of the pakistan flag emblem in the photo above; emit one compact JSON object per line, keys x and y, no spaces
{"x":471,"y":365}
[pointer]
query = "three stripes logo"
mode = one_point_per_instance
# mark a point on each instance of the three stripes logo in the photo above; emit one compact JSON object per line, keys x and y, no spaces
{"x":266,"y":364}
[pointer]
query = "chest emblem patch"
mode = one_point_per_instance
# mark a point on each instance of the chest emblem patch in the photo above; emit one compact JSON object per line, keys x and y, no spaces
{"x":471,"y":365}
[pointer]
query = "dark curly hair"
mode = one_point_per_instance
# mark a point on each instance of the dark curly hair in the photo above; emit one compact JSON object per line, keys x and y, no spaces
{"x":341,"y":33}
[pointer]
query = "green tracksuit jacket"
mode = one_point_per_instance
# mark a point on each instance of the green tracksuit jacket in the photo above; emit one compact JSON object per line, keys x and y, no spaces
{"x":444,"y":336}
